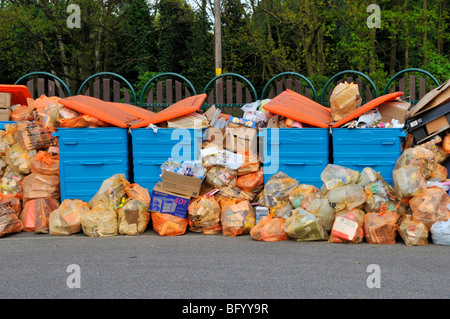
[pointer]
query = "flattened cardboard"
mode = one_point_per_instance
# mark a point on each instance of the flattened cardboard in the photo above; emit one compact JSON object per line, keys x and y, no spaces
{"x":5,"y":100}
{"x":432,"y":99}
{"x":5,"y":114}
{"x":394,"y":110}
{"x":429,"y":123}
{"x":181,"y":184}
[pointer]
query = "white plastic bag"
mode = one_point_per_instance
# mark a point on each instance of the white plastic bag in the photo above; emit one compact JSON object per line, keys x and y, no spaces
{"x":440,"y":233}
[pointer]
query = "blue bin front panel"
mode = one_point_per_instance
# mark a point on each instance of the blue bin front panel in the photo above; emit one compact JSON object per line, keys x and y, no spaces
{"x":301,"y":153}
{"x":151,"y":150}
{"x":367,"y":143}
{"x":179,"y":144}
{"x":99,"y":142}
{"x":81,"y":179}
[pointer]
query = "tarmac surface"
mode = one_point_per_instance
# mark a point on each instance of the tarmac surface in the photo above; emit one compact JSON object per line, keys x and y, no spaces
{"x":196,"y":266}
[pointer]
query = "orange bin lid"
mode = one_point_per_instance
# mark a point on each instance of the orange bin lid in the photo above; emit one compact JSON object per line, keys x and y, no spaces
{"x":180,"y":108}
{"x":118,"y":114}
{"x":20,"y":93}
{"x":297,"y":107}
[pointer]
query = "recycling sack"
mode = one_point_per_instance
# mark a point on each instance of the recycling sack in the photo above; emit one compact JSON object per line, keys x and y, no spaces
{"x":101,"y":220}
{"x":133,"y":217}
{"x":168,"y":225}
{"x":440,"y":232}
{"x":381,"y":228}
{"x":66,"y":219}
{"x":336,"y":175}
{"x":204,"y":215}
{"x":347,"y":197}
{"x":238,"y":219}
{"x":304,"y":226}
{"x":269,"y":229}
{"x":10,"y":209}
{"x":321,"y":208}
{"x":344,"y":99}
{"x":35,"y":214}
{"x":113,"y":189}
{"x":431,"y":206}
{"x":348,"y":227}
{"x":413,"y":233}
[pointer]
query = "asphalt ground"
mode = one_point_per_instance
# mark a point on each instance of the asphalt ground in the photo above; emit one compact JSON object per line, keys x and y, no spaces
{"x":214,"y":267}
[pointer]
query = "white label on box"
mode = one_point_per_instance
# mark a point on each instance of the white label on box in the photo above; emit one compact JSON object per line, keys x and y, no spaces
{"x":345,"y":228}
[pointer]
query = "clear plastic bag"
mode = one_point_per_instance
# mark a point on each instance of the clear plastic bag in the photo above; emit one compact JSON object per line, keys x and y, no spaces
{"x":408,"y":181}
{"x":419,"y":157}
{"x":12,"y":183}
{"x":219,"y":176}
{"x":344,"y":99}
{"x":276,"y":191}
{"x":321,"y":208}
{"x":101,"y":220}
{"x":348,"y":227}
{"x":380,"y":197}
{"x":439,"y":173}
{"x":381,"y":228}
{"x":431,"y":206}
{"x":10,"y":222}
{"x":204,"y":215}
{"x":133,"y":217}
{"x":45,"y":163}
{"x":368,"y":175}
{"x":238,"y":219}
{"x":302,"y":195}
{"x":269,"y":229}
{"x":304,"y":226}
{"x":413,"y":233}
{"x":346,"y":197}
{"x":114,"y":190}
{"x":66,"y":219}
{"x":336,"y":175}
{"x":19,"y":159}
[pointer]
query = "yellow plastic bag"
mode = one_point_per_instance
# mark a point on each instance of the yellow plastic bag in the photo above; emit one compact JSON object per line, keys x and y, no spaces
{"x":101,"y":220}
{"x":347,"y":197}
{"x":133,"y":217}
{"x":304,"y":226}
{"x":344,"y":99}
{"x":113,"y":188}
{"x":66,"y":219}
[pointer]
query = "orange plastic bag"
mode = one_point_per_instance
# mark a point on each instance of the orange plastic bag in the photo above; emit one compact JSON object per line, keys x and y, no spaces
{"x":250,"y":182}
{"x":38,"y":185}
{"x":82,"y":121}
{"x":381,"y":228}
{"x":36,"y":213}
{"x":9,"y":222}
{"x":22,"y":113}
{"x":238,"y":219}
{"x":138,"y":192}
{"x":269,"y":229}
{"x":168,"y":225}
{"x":44,"y":101}
{"x":45,"y":163}
{"x":32,"y":136}
{"x":204,"y":215}
{"x":431,"y":206}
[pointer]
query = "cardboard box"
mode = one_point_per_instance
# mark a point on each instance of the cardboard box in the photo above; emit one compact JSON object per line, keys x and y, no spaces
{"x":430,"y":123}
{"x":394,"y":110}
{"x":181,"y":184}
{"x":5,"y":100}
{"x":432,"y":99}
{"x":5,"y":114}
{"x":166,"y":202}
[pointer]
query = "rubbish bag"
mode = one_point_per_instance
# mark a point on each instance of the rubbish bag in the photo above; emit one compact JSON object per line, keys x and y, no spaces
{"x":38,"y":185}
{"x":440,"y":232}
{"x":431,"y":206}
{"x":446,"y":143}
{"x":168,"y":225}
{"x":19,"y":159}
{"x":321,"y":208}
{"x":10,"y":209}
{"x":218,"y":176}
{"x":381,"y":228}
{"x":204,"y":215}
{"x":346,"y":197}
{"x":344,"y":99}
{"x":12,"y":183}
{"x":336,"y":175}
{"x":304,"y":226}
{"x":238,"y":219}
{"x":251,"y":181}
{"x":380,"y":197}
{"x":66,"y":219}
{"x":348,"y":227}
{"x":45,"y":163}
{"x":439,"y":173}
{"x":269,"y":229}
{"x":412,"y":232}
{"x":368,"y":175}
{"x":302,"y":195}
{"x":133,"y":217}
{"x":408,"y":181}
{"x":35,"y":214}
{"x":114,"y":190}
{"x":419,"y":157}
{"x":275,"y":195}
{"x":135,"y":191}
{"x":32,"y":136}
{"x":10,"y":136}
{"x":101,"y":220}
{"x":22,"y":113}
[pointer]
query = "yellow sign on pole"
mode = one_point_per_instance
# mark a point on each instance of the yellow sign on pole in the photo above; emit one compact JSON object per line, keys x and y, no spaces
{"x":218,"y":71}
